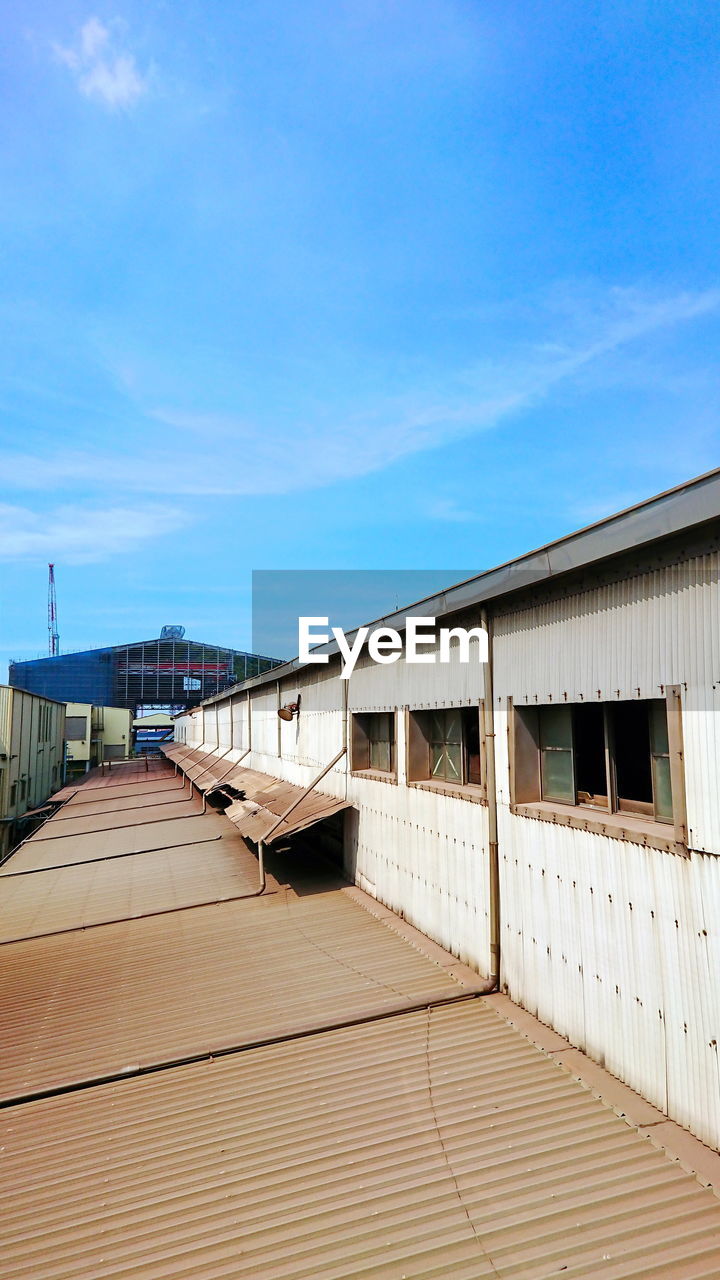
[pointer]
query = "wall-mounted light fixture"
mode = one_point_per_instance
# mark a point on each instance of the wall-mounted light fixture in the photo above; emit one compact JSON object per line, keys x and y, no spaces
{"x":289,"y":710}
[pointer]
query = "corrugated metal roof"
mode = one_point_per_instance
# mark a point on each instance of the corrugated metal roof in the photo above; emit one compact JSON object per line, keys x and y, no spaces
{"x":37,"y":855}
{"x":81,"y":808}
{"x":138,"y":789}
{"x":267,"y":798}
{"x":83,"y":1005}
{"x":72,"y":897}
{"x":123,"y":776}
{"x":435,"y":1146}
{"x":64,"y":824}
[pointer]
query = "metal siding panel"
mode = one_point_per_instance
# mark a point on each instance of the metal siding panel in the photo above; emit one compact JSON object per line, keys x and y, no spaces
{"x":635,"y":986}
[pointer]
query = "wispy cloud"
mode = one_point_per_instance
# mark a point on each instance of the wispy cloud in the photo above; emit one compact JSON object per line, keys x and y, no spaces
{"x":102,"y":69}
{"x":448,"y":510}
{"x":75,"y":534}
{"x":275,"y":458}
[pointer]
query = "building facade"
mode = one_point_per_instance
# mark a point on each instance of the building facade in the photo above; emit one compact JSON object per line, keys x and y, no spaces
{"x":166,"y":672}
{"x":31,"y":759}
{"x":94,"y":734}
{"x":551,"y":817}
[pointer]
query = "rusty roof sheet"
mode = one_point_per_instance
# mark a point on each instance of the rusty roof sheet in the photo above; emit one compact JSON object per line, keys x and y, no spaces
{"x":435,"y":1146}
{"x":97,"y":795}
{"x":85,"y":894}
{"x":81,"y":807}
{"x":205,"y":768}
{"x":95,"y":780}
{"x":99,"y":1002}
{"x":267,"y":798}
{"x":65,"y":824}
{"x":36,"y":855}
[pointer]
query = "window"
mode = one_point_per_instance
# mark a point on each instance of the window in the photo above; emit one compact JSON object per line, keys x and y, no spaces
{"x":13,"y":794}
{"x":613,"y":757}
{"x":444,"y":746}
{"x":373,"y":742}
{"x":75,"y":728}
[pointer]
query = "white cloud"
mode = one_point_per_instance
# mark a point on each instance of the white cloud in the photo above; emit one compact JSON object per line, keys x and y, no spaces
{"x":447,"y":509}
{"x":275,"y":458}
{"x":75,"y":534}
{"x":102,"y":70}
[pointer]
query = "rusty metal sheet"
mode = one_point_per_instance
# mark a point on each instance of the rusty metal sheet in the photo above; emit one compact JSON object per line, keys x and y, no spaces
{"x":267,"y":798}
{"x":435,"y":1146}
{"x":36,"y":813}
{"x":97,"y":795}
{"x":98,"y":782}
{"x":62,"y":825}
{"x":254,"y":821}
{"x":86,"y":894}
{"x":86,"y":807}
{"x":121,"y":842}
{"x":95,"y":1003}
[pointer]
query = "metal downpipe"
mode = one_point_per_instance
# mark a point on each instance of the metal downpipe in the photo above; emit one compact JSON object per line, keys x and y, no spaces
{"x":493,"y":854}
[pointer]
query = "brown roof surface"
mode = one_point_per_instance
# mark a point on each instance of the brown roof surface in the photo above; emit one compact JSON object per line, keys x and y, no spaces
{"x":430,"y":1140}
{"x":121,"y":774}
{"x":138,"y":794}
{"x":67,"y":850}
{"x":97,"y":1002}
{"x":63,"y":824}
{"x":121,"y":804}
{"x":70,"y":897}
{"x":439,"y":1145}
{"x":265,"y":798}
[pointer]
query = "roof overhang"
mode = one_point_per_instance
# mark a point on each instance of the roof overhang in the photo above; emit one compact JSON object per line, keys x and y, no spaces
{"x":258,"y":812}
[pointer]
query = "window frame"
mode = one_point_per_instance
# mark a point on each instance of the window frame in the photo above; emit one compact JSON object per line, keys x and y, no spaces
{"x":361,"y":743}
{"x":619,"y":819}
{"x":418,"y":752}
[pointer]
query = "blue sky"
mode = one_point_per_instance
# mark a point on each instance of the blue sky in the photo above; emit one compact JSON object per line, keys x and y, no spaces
{"x":353,"y":284}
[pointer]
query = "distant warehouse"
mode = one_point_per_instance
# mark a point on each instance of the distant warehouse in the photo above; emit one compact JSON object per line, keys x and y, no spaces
{"x":169,"y":672}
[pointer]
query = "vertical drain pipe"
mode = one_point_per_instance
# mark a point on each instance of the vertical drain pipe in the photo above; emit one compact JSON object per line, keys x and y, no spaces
{"x":491,"y":784}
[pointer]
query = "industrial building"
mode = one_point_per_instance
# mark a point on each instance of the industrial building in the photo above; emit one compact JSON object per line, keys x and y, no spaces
{"x":31,"y":760}
{"x":95,"y":734}
{"x":165,"y":673}
{"x":552,"y":817}
{"x":149,"y":732}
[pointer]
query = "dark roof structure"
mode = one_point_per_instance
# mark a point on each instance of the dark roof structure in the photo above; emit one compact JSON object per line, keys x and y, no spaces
{"x":167,"y":671}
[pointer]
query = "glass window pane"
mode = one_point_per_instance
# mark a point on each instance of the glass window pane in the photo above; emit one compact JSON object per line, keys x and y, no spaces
{"x":453,"y":727}
{"x":658,"y":727}
{"x":454,"y":762}
{"x":557,"y":776}
{"x":379,"y":726}
{"x":437,"y":760}
{"x":662,"y":789}
{"x":556,"y":726}
{"x":437,"y":726}
{"x":380,"y":756}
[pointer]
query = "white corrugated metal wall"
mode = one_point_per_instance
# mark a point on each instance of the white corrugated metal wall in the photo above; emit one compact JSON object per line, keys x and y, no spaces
{"x":421,"y":853}
{"x":613,"y":944}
